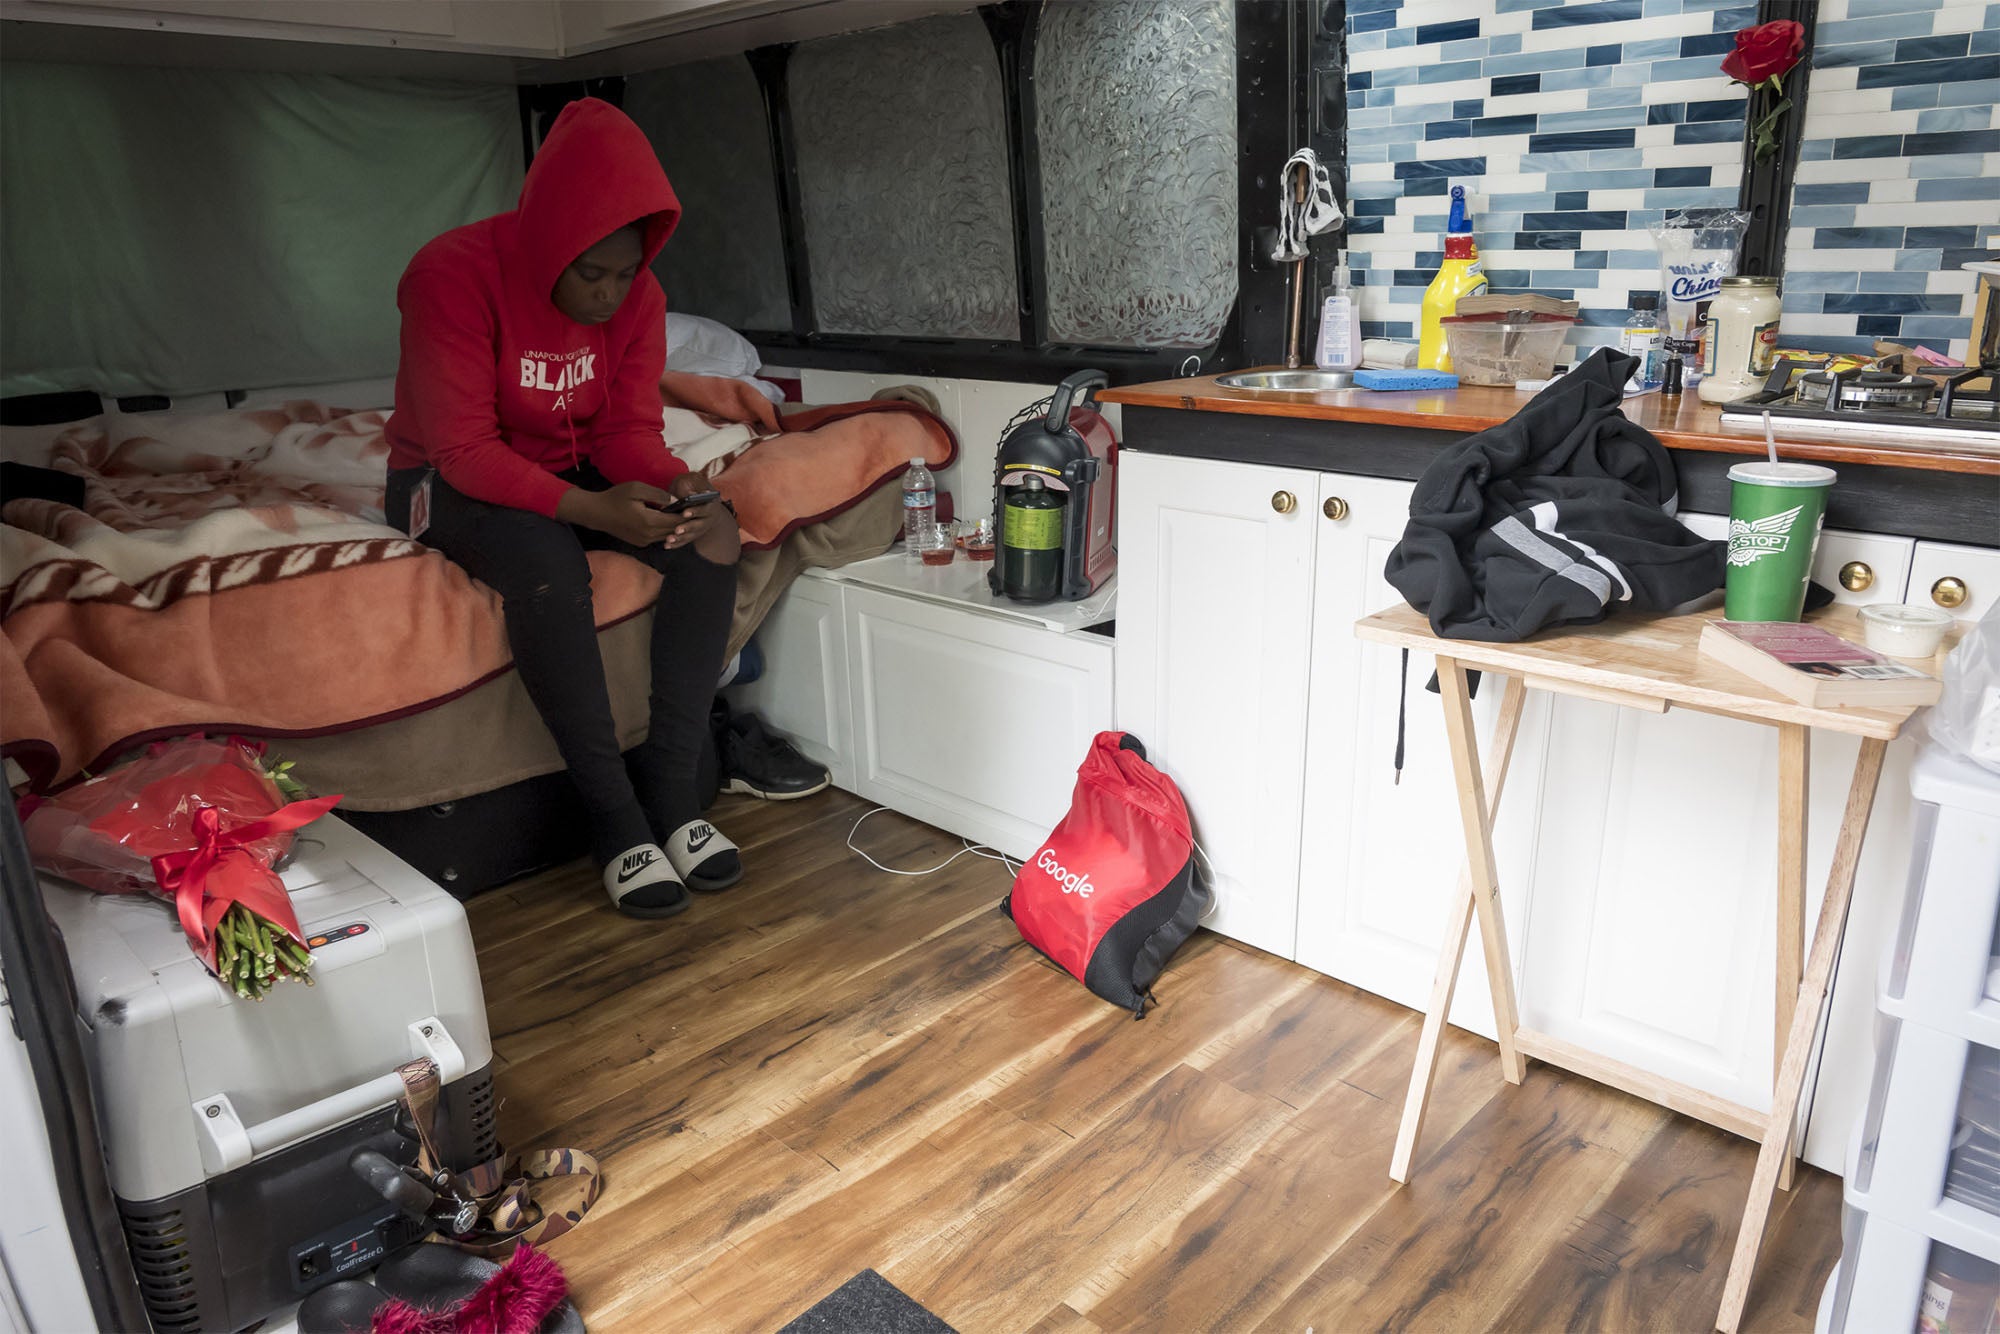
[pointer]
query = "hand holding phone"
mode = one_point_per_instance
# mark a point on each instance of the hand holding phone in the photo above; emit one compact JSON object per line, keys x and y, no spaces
{"x":680,"y":503}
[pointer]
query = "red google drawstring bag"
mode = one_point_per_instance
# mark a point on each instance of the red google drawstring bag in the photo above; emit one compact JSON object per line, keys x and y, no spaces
{"x":1115,"y":890}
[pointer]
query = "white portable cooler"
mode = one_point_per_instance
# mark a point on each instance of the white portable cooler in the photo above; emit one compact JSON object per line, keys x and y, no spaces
{"x":228,"y":1123}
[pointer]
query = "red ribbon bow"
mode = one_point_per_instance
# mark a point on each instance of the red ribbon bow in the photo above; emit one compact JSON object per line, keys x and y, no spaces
{"x":220,"y":872}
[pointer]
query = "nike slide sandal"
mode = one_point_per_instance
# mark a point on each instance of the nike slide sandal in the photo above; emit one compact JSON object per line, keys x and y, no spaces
{"x":704,"y":857}
{"x":642,"y":883}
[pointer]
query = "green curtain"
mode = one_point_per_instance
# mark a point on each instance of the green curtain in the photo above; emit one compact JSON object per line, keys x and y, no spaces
{"x":182,"y":230}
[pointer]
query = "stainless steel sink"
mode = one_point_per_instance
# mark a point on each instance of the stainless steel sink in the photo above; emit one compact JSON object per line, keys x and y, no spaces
{"x":1287,"y":382}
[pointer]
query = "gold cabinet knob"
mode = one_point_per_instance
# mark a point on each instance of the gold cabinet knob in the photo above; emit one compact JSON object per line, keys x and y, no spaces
{"x":1948,"y":592}
{"x":1284,"y":502}
{"x":1855,"y":576}
{"x":1335,"y":508}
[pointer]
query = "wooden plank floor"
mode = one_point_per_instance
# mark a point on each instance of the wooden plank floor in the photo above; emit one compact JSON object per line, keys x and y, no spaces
{"x":829,"y":1069}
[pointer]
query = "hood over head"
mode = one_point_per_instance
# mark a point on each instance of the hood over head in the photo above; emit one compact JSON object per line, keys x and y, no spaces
{"x":594,"y":173}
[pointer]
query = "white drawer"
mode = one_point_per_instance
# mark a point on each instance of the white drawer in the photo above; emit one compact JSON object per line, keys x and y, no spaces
{"x":1886,"y":559}
{"x":1882,"y":562}
{"x":1978,"y":568}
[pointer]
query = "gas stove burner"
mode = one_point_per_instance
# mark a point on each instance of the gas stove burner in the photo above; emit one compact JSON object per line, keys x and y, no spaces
{"x":1866,"y":389}
{"x":1948,"y":406}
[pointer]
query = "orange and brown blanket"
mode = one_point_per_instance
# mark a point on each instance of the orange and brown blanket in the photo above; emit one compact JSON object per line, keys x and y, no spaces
{"x":231,"y":572}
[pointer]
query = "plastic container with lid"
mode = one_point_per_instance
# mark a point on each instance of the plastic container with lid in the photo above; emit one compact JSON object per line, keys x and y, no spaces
{"x":1498,"y":350}
{"x":1741,"y":341}
{"x":1904,"y":631}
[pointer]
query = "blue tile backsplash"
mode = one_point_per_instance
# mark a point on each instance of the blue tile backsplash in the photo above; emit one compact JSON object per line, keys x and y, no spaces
{"x":1575,"y":123}
{"x":1899,"y":174}
{"x":1593,"y":119}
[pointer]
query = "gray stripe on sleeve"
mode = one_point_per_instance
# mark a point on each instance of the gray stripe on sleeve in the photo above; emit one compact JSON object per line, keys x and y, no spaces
{"x":1531,"y":544}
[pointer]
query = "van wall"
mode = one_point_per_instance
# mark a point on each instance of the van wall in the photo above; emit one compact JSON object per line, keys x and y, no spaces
{"x":180,"y":231}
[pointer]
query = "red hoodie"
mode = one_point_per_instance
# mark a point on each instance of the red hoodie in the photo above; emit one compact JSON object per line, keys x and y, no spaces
{"x":497,"y":389}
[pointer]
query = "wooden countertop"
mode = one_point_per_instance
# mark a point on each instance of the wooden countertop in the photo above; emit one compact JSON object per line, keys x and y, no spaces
{"x":1681,"y":423}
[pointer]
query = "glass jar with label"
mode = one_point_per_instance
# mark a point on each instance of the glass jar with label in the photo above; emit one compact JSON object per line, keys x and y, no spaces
{"x":1742,"y":338}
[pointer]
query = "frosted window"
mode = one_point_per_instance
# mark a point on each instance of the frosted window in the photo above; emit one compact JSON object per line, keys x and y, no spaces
{"x":902,"y":159}
{"x":726,"y":260}
{"x":1135,"y":107}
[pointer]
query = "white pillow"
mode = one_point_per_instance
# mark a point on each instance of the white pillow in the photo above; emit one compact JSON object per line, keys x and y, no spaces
{"x":701,"y":346}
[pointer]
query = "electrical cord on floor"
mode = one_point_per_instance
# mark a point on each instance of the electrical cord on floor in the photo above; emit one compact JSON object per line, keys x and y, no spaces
{"x":970,"y":849}
{"x":993,"y":855}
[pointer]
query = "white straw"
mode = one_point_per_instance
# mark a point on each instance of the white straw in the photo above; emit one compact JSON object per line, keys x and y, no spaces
{"x":1770,"y":438}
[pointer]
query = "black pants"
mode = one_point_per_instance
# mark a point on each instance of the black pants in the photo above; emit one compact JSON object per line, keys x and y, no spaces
{"x":537,"y":565}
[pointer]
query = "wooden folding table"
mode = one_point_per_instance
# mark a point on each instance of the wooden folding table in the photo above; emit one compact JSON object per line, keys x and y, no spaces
{"x":1651,"y":665}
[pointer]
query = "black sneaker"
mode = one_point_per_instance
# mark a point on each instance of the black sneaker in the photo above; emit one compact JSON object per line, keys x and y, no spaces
{"x":765,"y":765}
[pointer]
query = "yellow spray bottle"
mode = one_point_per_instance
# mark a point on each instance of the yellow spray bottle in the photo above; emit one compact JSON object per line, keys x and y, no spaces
{"x":1461,"y":275}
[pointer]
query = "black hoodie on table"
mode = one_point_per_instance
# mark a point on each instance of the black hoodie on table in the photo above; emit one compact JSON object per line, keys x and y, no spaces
{"x":1554,"y":517}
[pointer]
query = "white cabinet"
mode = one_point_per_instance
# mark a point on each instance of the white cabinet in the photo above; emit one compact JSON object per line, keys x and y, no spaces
{"x":1637,"y":853}
{"x":1877,"y":564}
{"x":1880,"y":565}
{"x":1654,"y":909}
{"x":972,"y":723}
{"x":968,"y":718}
{"x":1237,"y":665}
{"x":1214,"y":634}
{"x":804,"y":690}
{"x":1381,"y":857}
{"x":1942,"y":572}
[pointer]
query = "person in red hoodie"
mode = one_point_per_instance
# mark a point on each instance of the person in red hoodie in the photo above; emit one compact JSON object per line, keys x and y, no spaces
{"x":527,"y":432}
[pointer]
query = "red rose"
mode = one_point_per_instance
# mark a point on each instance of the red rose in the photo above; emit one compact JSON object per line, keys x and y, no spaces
{"x":1765,"y":52}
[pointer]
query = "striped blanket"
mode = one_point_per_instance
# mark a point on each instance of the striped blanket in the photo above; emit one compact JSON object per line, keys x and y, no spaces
{"x":232,"y":572}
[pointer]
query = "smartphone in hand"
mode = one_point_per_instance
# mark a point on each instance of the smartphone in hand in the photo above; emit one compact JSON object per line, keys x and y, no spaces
{"x":680,"y":503}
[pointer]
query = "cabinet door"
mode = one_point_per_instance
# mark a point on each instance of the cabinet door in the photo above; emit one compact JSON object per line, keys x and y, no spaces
{"x":803,"y":691}
{"x":1381,"y":858}
{"x":1654,"y":931}
{"x":972,"y":723}
{"x":1962,"y":580}
{"x":1214,"y":624}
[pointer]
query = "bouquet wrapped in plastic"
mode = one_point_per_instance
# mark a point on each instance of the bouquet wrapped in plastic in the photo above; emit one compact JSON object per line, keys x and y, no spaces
{"x":199,"y":822}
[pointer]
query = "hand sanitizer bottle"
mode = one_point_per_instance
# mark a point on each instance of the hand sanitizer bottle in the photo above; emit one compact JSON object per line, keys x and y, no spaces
{"x":1340,"y":325}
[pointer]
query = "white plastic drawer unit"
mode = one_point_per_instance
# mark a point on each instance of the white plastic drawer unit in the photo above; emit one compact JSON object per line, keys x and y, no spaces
{"x":1936,"y":968}
{"x":1927,"y":1151}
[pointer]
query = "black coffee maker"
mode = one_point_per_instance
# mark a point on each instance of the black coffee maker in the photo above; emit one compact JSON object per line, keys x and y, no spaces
{"x":1055,"y":500}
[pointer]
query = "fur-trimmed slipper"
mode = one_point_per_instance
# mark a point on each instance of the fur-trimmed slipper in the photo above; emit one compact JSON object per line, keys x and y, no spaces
{"x":439,"y":1290}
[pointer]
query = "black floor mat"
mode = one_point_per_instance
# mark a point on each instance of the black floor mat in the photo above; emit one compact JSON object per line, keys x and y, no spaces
{"x":867,"y":1304}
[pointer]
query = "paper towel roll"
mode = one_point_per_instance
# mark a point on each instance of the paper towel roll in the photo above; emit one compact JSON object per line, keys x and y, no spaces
{"x":1383,"y":354}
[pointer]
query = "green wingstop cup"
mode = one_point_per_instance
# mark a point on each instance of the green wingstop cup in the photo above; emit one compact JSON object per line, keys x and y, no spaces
{"x":1775,"y":511}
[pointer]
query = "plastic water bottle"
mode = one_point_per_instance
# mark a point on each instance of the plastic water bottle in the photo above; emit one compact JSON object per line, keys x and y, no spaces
{"x":1641,"y":338}
{"x":919,"y":506}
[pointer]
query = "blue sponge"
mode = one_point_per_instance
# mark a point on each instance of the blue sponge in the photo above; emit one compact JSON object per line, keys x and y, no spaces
{"x":1406,"y":379}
